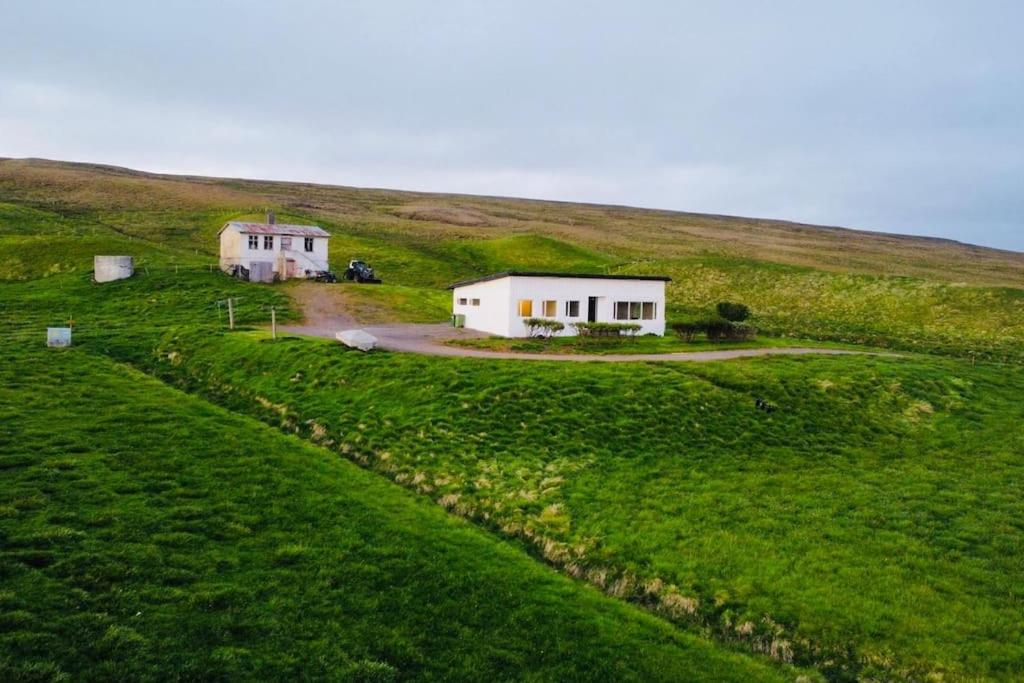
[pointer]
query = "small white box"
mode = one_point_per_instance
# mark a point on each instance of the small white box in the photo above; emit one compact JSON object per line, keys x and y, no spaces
{"x":58,"y":336}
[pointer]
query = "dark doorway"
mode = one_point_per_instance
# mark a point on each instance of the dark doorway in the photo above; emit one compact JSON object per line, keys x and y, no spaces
{"x":592,"y":309}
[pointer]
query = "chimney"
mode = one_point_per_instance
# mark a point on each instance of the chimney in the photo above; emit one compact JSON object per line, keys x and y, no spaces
{"x":271,"y":218}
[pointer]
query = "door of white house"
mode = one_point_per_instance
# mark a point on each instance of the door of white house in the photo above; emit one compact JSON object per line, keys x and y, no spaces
{"x":592,"y":309}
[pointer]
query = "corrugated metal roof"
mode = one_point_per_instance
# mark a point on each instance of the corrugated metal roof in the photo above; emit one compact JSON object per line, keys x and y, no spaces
{"x":580,"y":276}
{"x":277,"y":229}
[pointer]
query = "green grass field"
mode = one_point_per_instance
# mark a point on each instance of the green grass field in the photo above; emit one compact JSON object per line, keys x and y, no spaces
{"x":868,"y":528}
{"x":873,"y":516}
{"x":153,"y":536}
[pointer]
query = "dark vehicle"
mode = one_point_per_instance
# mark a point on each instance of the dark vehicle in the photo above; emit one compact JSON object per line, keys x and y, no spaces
{"x":324,"y":276}
{"x":360,"y":271}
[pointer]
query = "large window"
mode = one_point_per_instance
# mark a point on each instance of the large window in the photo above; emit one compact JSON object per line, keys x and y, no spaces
{"x":268,"y":241}
{"x":254,"y":242}
{"x":307,"y":244}
{"x":635,"y":310}
{"x":549,"y":308}
{"x":525,"y":308}
{"x":572,"y":309}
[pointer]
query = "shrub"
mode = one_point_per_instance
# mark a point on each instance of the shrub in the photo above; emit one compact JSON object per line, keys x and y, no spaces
{"x":718,"y":329}
{"x":743,"y":332}
{"x":688,"y":330}
{"x":542,"y":327}
{"x":733,"y":312}
{"x":606,"y":329}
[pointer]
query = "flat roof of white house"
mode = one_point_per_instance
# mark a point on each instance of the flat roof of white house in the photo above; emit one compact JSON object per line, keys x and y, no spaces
{"x":276,"y":229}
{"x":578,"y":276}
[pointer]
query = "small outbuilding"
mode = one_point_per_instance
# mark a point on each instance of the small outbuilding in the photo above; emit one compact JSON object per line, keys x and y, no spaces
{"x":110,"y":268}
{"x":263,"y":252}
{"x":499,"y":303}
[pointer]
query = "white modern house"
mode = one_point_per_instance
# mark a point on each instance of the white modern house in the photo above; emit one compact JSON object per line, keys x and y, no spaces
{"x":499,"y":303}
{"x":263,"y":251}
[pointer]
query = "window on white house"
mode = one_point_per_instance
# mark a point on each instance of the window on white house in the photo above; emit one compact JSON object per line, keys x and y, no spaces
{"x":525,"y":308}
{"x":572,"y":309}
{"x":462,"y":301}
{"x":307,"y":244}
{"x":268,"y":241}
{"x":476,"y":302}
{"x":254,"y":242}
{"x":549,"y":308}
{"x":635,"y":310}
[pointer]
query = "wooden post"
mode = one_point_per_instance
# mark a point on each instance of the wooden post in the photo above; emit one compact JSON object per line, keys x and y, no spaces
{"x":231,"y":314}
{"x":273,"y":322}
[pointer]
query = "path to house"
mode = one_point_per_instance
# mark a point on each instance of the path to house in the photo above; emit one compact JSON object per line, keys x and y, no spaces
{"x":326,"y":314}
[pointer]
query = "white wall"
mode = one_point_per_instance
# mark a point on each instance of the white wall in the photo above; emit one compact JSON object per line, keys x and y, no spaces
{"x":492,"y":314}
{"x":498,"y":311}
{"x":304,"y":260}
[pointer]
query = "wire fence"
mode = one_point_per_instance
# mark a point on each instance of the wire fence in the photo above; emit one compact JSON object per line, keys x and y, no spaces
{"x":217,"y":315}
{"x":74,"y":300}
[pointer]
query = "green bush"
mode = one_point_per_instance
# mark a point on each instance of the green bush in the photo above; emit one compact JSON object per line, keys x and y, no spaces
{"x":742,"y":332}
{"x":732,"y":311}
{"x":606,"y":329}
{"x":536,"y":327}
{"x":720,"y":329}
{"x":688,"y":330}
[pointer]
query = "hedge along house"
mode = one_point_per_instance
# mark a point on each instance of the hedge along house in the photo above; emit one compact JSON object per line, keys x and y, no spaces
{"x":499,"y":303}
{"x":262,"y":252}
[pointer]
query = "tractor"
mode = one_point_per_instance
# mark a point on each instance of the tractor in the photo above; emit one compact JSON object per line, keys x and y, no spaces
{"x":360,"y":271}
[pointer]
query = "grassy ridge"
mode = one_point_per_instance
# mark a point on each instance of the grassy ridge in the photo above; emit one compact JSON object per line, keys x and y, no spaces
{"x":153,"y":536}
{"x":875,"y":479}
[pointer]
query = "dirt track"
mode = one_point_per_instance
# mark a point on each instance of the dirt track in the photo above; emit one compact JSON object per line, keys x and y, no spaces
{"x":326,"y":314}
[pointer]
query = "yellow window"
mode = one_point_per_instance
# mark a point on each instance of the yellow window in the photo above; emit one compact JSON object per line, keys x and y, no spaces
{"x":548,"y":308}
{"x":525,"y":308}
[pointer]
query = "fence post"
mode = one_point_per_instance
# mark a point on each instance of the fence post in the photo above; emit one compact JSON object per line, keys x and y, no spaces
{"x":273,"y":322}
{"x":231,"y":314}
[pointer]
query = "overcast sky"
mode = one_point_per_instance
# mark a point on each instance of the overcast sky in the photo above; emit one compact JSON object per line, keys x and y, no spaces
{"x":896,"y":116}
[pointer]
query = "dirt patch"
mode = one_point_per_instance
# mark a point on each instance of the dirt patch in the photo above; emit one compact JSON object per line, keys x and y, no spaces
{"x":323,"y":305}
{"x":453,"y":215}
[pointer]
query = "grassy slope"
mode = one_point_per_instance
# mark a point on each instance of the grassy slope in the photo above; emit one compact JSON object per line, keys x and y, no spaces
{"x":873,"y":511}
{"x":871,"y":523}
{"x":153,"y":536}
{"x":909,"y":293}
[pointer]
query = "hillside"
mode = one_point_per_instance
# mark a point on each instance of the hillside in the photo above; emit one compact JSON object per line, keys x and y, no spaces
{"x":803,"y":281}
{"x":869,"y":529}
{"x":134,"y":201}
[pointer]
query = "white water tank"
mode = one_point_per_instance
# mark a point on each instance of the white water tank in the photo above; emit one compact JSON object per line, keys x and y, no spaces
{"x":110,"y":268}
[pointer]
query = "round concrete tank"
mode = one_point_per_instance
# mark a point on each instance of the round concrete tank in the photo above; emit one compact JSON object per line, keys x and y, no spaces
{"x":110,"y":268}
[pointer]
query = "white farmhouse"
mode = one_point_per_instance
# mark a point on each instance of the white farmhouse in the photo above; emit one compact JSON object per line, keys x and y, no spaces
{"x":262,"y":251}
{"x":499,"y":303}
